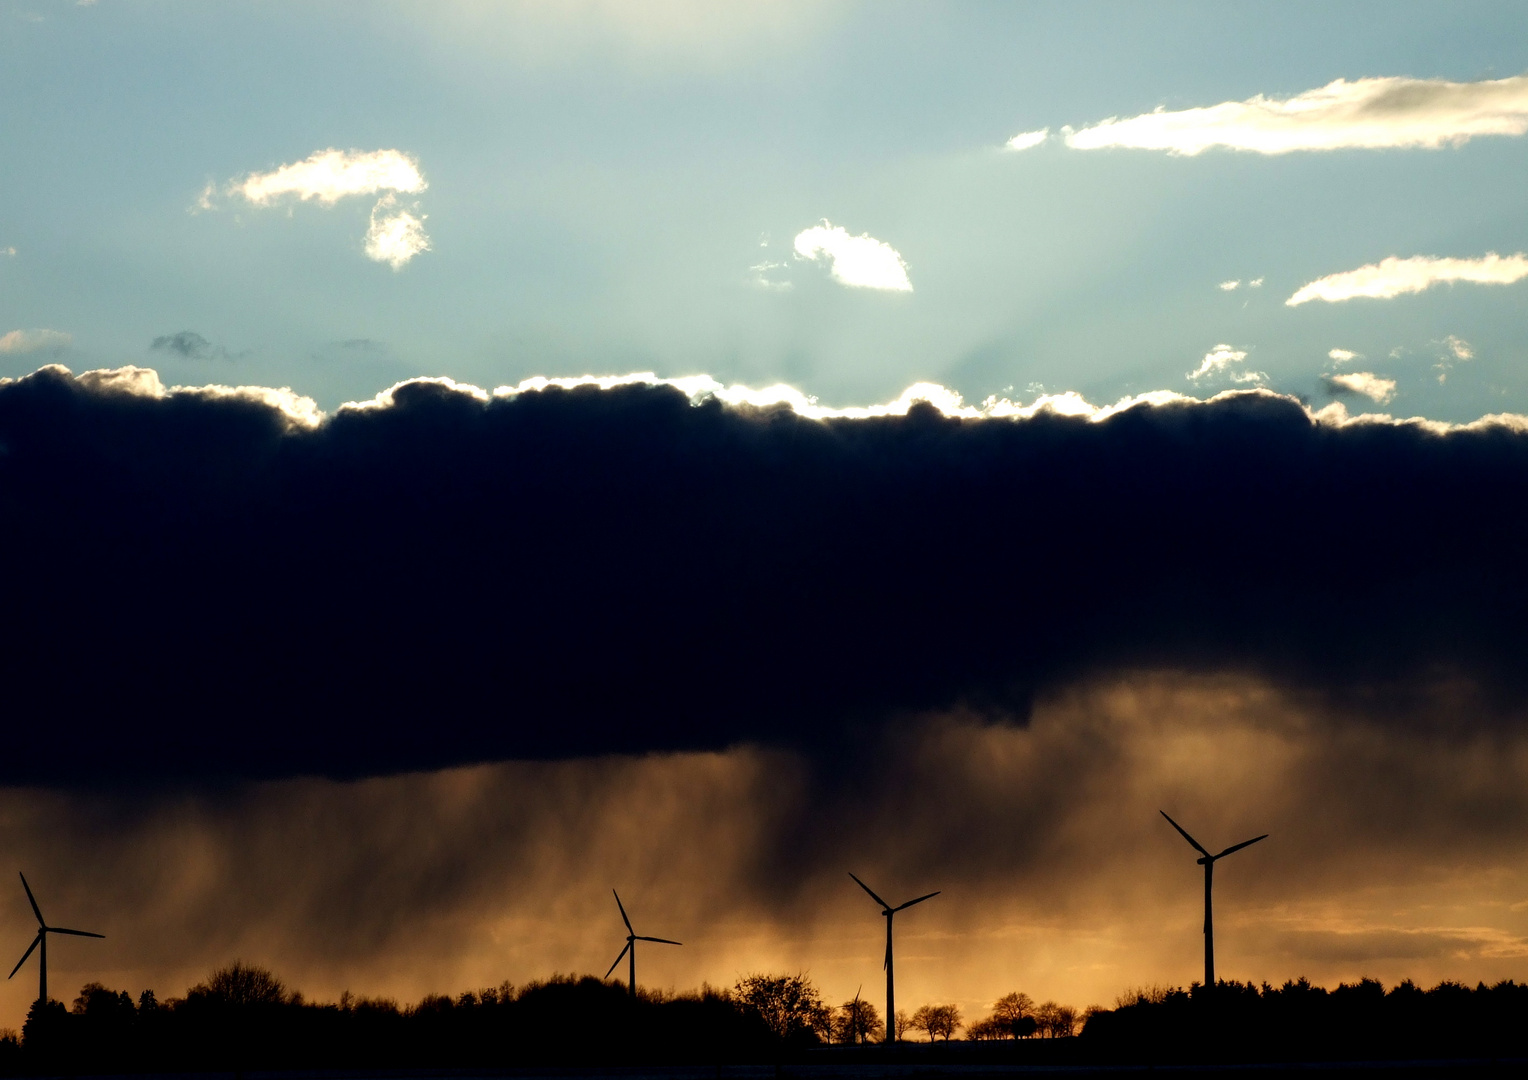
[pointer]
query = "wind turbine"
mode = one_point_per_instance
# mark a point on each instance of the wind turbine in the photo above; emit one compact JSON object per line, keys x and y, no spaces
{"x":888,"y":911}
{"x":43,"y":930}
{"x":632,"y":937}
{"x":1208,"y":862}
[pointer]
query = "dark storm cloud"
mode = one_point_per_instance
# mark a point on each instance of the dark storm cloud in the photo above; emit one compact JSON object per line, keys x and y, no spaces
{"x":197,"y":586}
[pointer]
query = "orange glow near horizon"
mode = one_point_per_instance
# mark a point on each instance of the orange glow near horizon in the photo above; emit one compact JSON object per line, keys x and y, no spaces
{"x":1393,"y":853}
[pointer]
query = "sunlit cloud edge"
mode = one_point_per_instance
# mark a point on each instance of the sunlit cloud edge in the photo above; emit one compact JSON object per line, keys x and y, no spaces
{"x":301,"y":413}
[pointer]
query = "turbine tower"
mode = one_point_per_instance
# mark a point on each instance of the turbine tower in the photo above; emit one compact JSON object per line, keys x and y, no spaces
{"x":1208,"y":862}
{"x":630,"y":951}
{"x":41,"y":940}
{"x":888,"y":911}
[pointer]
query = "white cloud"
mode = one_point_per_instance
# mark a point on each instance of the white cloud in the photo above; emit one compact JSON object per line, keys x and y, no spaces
{"x":1342,"y":356}
{"x":10,"y":251}
{"x":1366,"y":113}
{"x":395,"y":235}
{"x":330,"y":175}
{"x":1395,"y":276}
{"x":859,"y":261}
{"x":1026,"y":140}
{"x":1228,"y":286}
{"x":1255,"y":283}
{"x":1220,"y":361}
{"x":29,"y":341}
{"x":1366,"y":383}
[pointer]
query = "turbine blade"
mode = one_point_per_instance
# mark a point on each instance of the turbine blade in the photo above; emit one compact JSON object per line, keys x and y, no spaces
{"x":76,"y":933}
{"x":887,"y":962}
{"x":1238,"y":847}
{"x":1186,"y":836}
{"x":660,"y":940}
{"x":867,"y":888}
{"x":35,"y":909}
{"x":26,"y":954}
{"x":619,"y":957}
{"x":622,"y":906}
{"x":920,"y":900}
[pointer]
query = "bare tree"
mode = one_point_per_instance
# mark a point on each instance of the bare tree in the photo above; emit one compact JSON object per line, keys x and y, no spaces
{"x":939,"y":1021}
{"x":1056,"y":1021}
{"x":1015,"y":1014}
{"x":904,"y":1023}
{"x":859,"y":1022}
{"x":241,"y":984}
{"x":789,"y":1005}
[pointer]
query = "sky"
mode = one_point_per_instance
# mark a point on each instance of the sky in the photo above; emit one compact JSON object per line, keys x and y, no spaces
{"x":604,"y":187}
{"x":703,"y":450}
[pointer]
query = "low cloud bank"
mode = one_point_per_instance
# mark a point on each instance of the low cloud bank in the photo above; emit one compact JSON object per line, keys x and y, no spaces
{"x":447,"y":575}
{"x":1371,"y":113}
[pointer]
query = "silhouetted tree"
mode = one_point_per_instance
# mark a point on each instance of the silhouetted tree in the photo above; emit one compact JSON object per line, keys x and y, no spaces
{"x":859,"y":1022}
{"x":1056,"y":1021}
{"x":241,"y":985}
{"x":939,"y":1021}
{"x":904,"y":1023}
{"x":789,"y":1005}
{"x":1014,"y":1013}
{"x":44,"y":1035}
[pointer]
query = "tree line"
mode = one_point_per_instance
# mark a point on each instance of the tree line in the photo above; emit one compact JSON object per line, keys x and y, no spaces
{"x":1302,"y":1022}
{"x":243,"y":1016}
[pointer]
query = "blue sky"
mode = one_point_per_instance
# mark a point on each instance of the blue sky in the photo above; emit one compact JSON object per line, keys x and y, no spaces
{"x":598,"y":182}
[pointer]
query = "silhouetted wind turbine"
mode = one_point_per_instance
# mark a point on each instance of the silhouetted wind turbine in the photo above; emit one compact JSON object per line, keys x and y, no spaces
{"x":1208,"y":862}
{"x":632,"y":937}
{"x":43,"y":930}
{"x":888,"y":911}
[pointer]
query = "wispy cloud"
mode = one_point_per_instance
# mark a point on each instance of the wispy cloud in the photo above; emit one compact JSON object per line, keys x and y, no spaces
{"x":395,"y":234}
{"x":331,"y":175}
{"x":861,"y":261}
{"x":1455,"y":351}
{"x":9,"y":252}
{"x":1342,"y":356}
{"x":1396,"y":276}
{"x":1366,"y":383}
{"x":30,"y":341}
{"x":1365,"y":113}
{"x":1027,"y":140}
{"x":1223,"y":360}
{"x":191,"y":346}
{"x":1229,"y":286}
